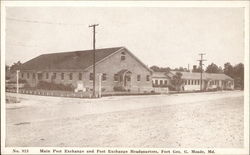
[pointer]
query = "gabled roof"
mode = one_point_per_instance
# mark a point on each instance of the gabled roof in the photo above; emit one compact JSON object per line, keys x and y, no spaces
{"x":68,"y":60}
{"x":207,"y":76}
{"x":160,"y":75}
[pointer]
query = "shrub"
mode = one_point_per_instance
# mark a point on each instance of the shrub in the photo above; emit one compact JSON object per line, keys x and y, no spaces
{"x":119,"y":88}
{"x":19,"y":81}
{"x":171,"y":88}
{"x":53,"y":86}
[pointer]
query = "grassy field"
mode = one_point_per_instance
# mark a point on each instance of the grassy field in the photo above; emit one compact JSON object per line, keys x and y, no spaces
{"x":211,"y":120}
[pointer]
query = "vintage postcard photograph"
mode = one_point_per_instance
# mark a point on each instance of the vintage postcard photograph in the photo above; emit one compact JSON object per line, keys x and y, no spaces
{"x":125,"y":77}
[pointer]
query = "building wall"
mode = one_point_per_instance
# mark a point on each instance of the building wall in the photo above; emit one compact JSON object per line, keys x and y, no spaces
{"x":160,"y":81}
{"x":109,"y":66}
{"x":193,"y":84}
{"x":114,"y":64}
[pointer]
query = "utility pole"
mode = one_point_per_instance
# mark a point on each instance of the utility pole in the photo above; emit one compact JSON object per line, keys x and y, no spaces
{"x":17,"y":85}
{"x":94,"y":25}
{"x":201,"y":64}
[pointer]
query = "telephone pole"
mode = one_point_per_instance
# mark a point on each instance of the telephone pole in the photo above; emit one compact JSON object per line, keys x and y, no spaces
{"x":94,"y":26}
{"x":201,"y":70}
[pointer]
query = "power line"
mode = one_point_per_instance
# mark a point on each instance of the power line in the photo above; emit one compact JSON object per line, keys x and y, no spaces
{"x":41,"y":22}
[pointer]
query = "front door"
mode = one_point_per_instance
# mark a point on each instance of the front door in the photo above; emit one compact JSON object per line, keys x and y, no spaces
{"x":127,"y":81}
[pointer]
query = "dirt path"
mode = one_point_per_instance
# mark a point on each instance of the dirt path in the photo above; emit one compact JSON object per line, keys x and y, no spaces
{"x":184,"y":120}
{"x":40,"y":108}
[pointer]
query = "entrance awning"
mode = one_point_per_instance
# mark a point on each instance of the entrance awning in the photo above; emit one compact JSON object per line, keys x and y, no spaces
{"x":121,"y":72}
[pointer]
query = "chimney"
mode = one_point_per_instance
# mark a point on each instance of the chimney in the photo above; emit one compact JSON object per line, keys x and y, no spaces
{"x":194,"y":67}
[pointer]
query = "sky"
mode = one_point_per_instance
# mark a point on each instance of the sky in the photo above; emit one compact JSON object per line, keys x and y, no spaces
{"x":166,"y":37}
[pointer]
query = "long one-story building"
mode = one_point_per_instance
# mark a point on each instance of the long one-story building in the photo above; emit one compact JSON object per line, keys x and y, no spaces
{"x":192,"y":80}
{"x":118,"y":67}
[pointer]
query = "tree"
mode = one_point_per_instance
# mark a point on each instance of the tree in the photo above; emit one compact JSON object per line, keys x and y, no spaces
{"x":7,"y":67}
{"x":213,"y":68}
{"x":238,"y":71}
{"x":228,"y":69}
{"x":16,"y":66}
{"x":181,"y":69}
{"x":7,"y":72}
{"x":160,"y":69}
{"x":177,"y":81}
{"x":195,"y":69}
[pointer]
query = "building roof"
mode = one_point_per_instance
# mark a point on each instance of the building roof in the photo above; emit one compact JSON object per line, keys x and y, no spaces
{"x":68,"y":60}
{"x":207,"y":76}
{"x":160,"y":75}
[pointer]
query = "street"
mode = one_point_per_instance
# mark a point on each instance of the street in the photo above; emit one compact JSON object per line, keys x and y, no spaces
{"x":211,"y":119}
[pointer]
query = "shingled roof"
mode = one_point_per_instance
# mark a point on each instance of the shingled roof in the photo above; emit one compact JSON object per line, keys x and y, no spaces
{"x":68,"y":60}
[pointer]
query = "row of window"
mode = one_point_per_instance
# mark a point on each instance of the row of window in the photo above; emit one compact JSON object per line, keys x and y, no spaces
{"x":192,"y":82}
{"x":161,"y":82}
{"x":91,"y":76}
{"x":187,"y":82}
{"x":197,"y":82}
{"x":116,"y":77}
{"x":28,"y":75}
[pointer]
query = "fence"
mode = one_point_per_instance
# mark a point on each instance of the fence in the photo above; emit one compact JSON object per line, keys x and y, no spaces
{"x":74,"y":94}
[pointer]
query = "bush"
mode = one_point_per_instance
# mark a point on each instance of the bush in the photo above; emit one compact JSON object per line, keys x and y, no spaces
{"x":119,"y":88}
{"x":53,"y":86}
{"x":19,"y":81}
{"x":171,"y":88}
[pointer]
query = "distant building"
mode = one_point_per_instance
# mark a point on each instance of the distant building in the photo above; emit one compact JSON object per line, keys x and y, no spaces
{"x":192,"y":80}
{"x":209,"y":81}
{"x":161,"y":79}
{"x":118,"y":67}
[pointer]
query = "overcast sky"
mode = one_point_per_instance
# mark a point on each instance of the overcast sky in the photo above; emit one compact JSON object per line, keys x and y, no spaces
{"x":167,"y":37}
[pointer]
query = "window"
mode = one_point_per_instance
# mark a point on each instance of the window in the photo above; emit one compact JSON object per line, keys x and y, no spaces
{"x":192,"y":82}
{"x":47,"y":75}
{"x":34,"y":76}
{"x":165,"y":82}
{"x":91,"y":76}
{"x":22,"y":75}
{"x":54,"y":76}
{"x":161,"y":82}
{"x":62,"y":76}
{"x":70,"y":76}
{"x":28,"y":75}
{"x":156,"y":82}
{"x":138,"y":77}
{"x":116,"y":77}
{"x":198,"y":82}
{"x":80,"y":76}
{"x":123,"y":57}
{"x":104,"y":77}
{"x":147,"y":78}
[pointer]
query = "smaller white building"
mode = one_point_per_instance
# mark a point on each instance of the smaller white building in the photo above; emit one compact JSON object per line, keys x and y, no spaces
{"x":192,"y":81}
